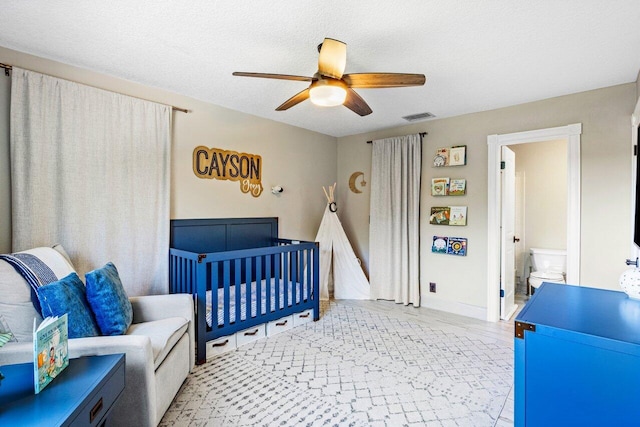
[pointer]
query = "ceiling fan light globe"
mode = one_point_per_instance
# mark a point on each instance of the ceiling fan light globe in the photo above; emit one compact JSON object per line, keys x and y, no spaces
{"x":328,"y":93}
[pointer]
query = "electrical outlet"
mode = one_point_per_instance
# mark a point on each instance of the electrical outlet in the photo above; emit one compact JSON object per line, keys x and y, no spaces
{"x":432,"y":287}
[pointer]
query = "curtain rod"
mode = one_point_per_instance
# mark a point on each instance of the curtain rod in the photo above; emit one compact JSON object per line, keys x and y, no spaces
{"x":8,"y":68}
{"x":422,"y":134}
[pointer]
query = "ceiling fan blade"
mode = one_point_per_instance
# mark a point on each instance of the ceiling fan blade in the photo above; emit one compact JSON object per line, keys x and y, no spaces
{"x":382,"y":80}
{"x":333,"y":58}
{"x":356,"y":104}
{"x":294,"y":100}
{"x":274,"y":76}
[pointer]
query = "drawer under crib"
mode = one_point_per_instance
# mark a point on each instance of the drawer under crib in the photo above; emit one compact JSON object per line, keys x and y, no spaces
{"x":221,"y":345}
{"x":249,"y":335}
{"x":280,"y":325}
{"x":303,"y":317}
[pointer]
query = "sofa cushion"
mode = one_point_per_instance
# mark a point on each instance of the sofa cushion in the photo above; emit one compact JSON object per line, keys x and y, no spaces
{"x":39,"y":266}
{"x":67,"y":295}
{"x":108,"y":300}
{"x":17,"y":307}
{"x":164,"y":334}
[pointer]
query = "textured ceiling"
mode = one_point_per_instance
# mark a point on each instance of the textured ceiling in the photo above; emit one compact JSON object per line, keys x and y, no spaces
{"x":477,"y":55}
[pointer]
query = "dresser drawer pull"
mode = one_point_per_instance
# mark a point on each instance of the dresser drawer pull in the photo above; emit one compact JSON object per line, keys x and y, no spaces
{"x":220,"y":344}
{"x":95,"y":410}
{"x":302,"y":316}
{"x":281,"y":323}
{"x":252,"y":332}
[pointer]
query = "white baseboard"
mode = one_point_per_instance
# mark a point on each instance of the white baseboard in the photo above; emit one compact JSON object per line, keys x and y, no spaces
{"x":455,"y":307}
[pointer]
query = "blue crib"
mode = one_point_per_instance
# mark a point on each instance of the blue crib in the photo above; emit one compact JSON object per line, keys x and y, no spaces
{"x":240,"y":274}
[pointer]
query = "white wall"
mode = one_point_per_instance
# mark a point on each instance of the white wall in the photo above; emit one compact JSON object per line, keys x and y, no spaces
{"x":544,"y":167}
{"x":605,"y":157}
{"x":301,"y":161}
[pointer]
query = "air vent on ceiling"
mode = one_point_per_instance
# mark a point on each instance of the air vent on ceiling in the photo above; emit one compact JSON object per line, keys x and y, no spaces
{"x":419,"y":116}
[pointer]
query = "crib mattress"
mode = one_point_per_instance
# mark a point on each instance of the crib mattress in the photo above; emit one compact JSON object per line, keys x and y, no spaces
{"x":301,"y":292}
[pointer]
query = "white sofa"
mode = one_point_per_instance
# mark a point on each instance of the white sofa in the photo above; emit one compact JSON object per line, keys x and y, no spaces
{"x":159,"y":347}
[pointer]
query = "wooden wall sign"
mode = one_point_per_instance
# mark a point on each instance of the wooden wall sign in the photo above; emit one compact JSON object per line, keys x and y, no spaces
{"x":353,"y":184}
{"x":215,"y":163}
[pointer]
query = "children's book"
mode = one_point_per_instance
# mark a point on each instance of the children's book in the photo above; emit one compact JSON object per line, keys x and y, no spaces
{"x":50,"y":350}
{"x":441,"y":158}
{"x":457,"y":246}
{"x":440,"y":215}
{"x":458,"y":156}
{"x":439,"y":244}
{"x":458,"y":215}
{"x":439,"y":186}
{"x":457,"y":187}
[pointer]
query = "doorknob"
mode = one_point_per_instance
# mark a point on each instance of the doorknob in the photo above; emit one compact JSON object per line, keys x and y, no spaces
{"x":515,"y":239}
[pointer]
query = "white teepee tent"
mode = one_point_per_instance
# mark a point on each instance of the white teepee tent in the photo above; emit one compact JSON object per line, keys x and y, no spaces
{"x":349,"y":282}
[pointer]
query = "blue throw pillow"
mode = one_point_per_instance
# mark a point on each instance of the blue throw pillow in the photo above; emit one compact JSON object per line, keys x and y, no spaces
{"x":108,"y":300}
{"x":67,"y":295}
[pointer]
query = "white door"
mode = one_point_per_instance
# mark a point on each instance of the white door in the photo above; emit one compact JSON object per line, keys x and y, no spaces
{"x":507,"y":225}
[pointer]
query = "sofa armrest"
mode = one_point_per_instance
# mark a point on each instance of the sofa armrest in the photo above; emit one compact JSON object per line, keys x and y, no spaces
{"x":155,"y":307}
{"x":16,"y":352}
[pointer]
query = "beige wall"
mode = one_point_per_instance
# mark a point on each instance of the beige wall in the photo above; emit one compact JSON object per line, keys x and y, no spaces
{"x":301,"y":161}
{"x":543,"y":166}
{"x":606,"y":186}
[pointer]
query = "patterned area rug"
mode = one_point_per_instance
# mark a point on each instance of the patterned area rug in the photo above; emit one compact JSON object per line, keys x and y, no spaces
{"x":354,"y":367}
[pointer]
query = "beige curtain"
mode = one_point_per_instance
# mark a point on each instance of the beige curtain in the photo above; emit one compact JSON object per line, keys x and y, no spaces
{"x":394,"y":230}
{"x":90,"y":170}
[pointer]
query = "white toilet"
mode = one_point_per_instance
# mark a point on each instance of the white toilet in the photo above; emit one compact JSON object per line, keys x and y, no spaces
{"x":548,"y":265}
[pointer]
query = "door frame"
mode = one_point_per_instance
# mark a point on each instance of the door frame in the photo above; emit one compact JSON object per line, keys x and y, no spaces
{"x":571,"y":133}
{"x":634,"y":251}
{"x":506,"y":312}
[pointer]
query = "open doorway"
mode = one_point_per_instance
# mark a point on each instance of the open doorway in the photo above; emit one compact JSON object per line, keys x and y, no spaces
{"x":571,"y":134}
{"x":539,"y":206}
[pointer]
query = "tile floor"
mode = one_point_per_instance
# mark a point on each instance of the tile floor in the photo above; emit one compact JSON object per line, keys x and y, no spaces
{"x":365,"y":363}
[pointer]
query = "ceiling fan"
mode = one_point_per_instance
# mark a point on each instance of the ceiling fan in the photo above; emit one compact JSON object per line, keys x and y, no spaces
{"x":330,"y":86}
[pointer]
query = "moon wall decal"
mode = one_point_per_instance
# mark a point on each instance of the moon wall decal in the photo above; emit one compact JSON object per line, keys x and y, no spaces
{"x":352,"y":182}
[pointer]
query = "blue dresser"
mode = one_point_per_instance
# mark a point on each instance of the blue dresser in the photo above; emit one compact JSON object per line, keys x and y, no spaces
{"x":577,"y":358}
{"x":82,"y":395}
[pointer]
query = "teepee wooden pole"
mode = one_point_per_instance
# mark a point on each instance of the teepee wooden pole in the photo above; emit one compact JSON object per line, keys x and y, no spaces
{"x":326,"y":194}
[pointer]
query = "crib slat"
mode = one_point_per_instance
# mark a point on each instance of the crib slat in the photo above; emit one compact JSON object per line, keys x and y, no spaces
{"x":226,"y":279}
{"x":309,"y":268}
{"x":268,"y":261}
{"x":258,"y":285}
{"x":294,"y":277}
{"x":237,"y":288}
{"x":285,"y":278}
{"x":300,"y":284}
{"x":185,"y":265}
{"x":302,"y":273}
{"x":248,"y":292}
{"x":215,"y":270}
{"x":277,"y":280}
